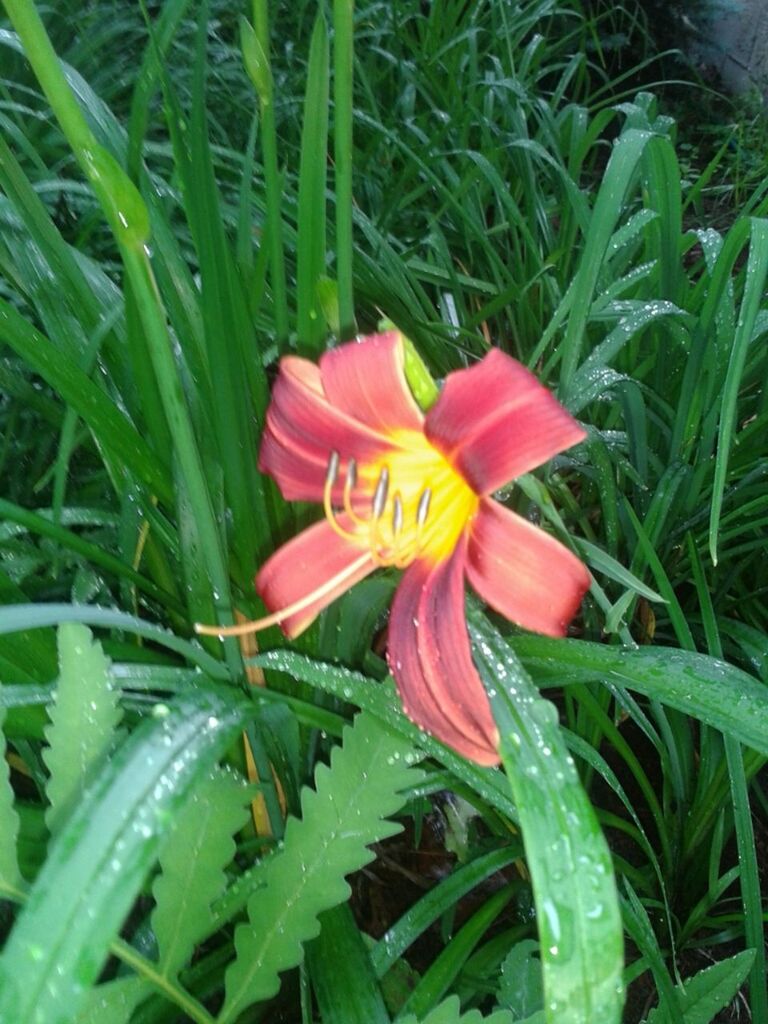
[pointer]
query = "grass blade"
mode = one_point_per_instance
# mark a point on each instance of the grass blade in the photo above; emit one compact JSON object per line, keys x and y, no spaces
{"x":568,"y":858}
{"x":99,"y":860}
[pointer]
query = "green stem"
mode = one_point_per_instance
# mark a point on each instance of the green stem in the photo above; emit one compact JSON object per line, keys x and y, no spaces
{"x":170,"y":989}
{"x":143,"y":967}
{"x":343,"y":56}
{"x":272,"y":183}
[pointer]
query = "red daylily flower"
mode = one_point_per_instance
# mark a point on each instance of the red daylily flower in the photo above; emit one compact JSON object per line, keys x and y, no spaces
{"x":401,"y":488}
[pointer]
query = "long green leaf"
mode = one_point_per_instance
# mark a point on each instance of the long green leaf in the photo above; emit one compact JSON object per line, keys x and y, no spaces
{"x":711,"y":690}
{"x":343,"y":65}
{"x":754,"y":286}
{"x":102,"y":854}
{"x":570,"y":865}
{"x":109,"y":425}
{"x":345,"y":985}
{"x":311,"y":239}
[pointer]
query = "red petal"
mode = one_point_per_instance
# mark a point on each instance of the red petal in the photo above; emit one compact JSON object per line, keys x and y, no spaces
{"x":522,"y":572}
{"x":304,"y":564}
{"x":366,"y":379}
{"x":303,"y":428}
{"x":495,"y":421}
{"x":429,"y":655}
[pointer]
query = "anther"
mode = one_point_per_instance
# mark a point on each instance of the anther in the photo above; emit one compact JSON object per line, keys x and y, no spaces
{"x":333,"y":468}
{"x":330,"y":479}
{"x":380,"y":494}
{"x":422,"y":510}
{"x":351,"y":481}
{"x":397,"y":515}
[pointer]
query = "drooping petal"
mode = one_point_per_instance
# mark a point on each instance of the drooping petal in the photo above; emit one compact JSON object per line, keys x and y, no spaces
{"x":522,"y":572}
{"x":495,"y":421}
{"x":316,"y":560}
{"x":429,"y":655}
{"x":304,"y":427}
{"x":366,"y":380}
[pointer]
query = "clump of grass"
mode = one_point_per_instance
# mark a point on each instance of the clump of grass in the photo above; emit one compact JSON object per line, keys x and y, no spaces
{"x":171,"y":225}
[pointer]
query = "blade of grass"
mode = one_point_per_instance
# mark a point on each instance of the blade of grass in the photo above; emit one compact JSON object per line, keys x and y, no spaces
{"x":311,"y":242}
{"x":754,"y":285}
{"x":343,"y":70}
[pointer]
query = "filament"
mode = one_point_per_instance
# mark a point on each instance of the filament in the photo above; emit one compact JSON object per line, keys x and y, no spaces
{"x":330,"y":479}
{"x":349,"y":485}
{"x":256,"y":625}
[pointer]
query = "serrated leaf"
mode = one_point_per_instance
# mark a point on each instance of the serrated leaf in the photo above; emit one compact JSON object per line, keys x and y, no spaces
{"x":520,"y":989}
{"x":347,"y":811}
{"x":84,"y":716}
{"x":99,"y":859}
{"x":9,"y":820}
{"x":192,"y":863}
{"x":707,"y":992}
{"x":114,"y":1001}
{"x":449,"y":1012}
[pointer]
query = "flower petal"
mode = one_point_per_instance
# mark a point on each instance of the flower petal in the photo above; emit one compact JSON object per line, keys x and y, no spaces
{"x":430,"y":658}
{"x":303,"y":428}
{"x":308,"y":563}
{"x":496,"y":421}
{"x":522,"y":572}
{"x":366,"y":380}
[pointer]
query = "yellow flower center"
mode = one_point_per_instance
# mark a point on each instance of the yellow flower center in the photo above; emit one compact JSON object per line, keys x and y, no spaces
{"x":409,"y":504}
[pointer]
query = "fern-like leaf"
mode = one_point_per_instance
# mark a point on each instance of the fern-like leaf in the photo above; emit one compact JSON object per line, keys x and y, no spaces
{"x":114,"y":1001}
{"x":9,"y":820}
{"x":84,"y":716}
{"x":449,"y":1012}
{"x":346,"y":812}
{"x":192,"y":863}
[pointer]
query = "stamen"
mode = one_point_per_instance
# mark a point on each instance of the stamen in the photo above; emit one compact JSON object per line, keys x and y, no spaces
{"x":333,"y":468}
{"x":349,"y":485}
{"x":380,"y":494}
{"x":405,"y":556}
{"x":244,"y":628}
{"x":375,"y":541}
{"x":423,"y":508}
{"x":330,"y":479}
{"x":397,"y":515}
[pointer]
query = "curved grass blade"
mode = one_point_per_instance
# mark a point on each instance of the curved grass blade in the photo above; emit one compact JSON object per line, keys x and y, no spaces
{"x":343,"y":61}
{"x":101,"y":856}
{"x":444,"y":969}
{"x":311,"y":242}
{"x":438,"y":901}
{"x":14,"y":618}
{"x":711,"y":690}
{"x":568,"y":858}
{"x":754,"y":284}
{"x":94,"y":407}
{"x":345,"y":985}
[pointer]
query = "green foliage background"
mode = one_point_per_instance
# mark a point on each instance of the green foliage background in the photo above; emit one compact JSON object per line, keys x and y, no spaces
{"x":188,"y":191}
